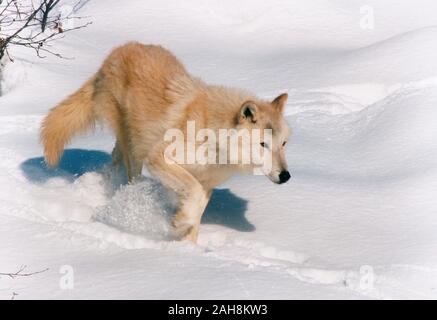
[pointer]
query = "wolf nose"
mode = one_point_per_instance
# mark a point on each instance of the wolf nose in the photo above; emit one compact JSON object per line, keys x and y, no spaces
{"x":284,"y":176}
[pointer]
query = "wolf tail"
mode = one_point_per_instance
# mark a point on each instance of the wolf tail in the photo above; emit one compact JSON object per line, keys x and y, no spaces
{"x":72,"y":116}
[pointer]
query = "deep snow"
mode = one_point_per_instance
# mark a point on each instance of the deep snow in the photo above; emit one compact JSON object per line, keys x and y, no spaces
{"x":358,"y":219}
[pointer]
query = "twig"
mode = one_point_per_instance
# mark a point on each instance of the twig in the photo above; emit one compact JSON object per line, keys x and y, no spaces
{"x":21,"y":273}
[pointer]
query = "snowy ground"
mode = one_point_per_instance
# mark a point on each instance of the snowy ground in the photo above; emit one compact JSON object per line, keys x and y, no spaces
{"x":358,"y":219}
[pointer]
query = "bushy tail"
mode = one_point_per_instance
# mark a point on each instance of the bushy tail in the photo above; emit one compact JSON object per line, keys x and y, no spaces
{"x":72,"y":116}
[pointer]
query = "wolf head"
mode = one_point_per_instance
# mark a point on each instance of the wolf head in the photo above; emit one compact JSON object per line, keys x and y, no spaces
{"x":267,"y":119}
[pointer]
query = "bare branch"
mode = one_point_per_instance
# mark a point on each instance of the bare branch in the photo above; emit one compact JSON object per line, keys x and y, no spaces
{"x":34,"y":27}
{"x":21,"y":273}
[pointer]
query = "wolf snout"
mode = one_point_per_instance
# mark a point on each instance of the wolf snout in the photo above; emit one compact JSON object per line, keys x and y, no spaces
{"x":284,"y":176}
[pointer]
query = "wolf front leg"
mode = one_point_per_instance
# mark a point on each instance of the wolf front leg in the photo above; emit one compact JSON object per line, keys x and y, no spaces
{"x":193,"y":233}
{"x":193,"y":198}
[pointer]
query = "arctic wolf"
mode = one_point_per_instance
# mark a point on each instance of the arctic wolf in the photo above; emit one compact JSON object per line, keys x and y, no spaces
{"x":141,"y":92}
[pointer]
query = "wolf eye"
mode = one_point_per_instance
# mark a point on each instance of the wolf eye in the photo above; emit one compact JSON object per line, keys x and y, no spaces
{"x":284,"y":143}
{"x":263,"y":144}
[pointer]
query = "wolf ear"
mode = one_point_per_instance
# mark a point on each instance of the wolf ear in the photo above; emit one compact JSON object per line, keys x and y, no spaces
{"x":279,"y":102}
{"x":248,"y":112}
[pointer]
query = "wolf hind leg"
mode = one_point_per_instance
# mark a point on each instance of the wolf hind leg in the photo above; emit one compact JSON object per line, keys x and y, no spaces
{"x":117,"y":157}
{"x":119,"y":174}
{"x":111,"y":111}
{"x":136,"y":169}
{"x":124,"y":161}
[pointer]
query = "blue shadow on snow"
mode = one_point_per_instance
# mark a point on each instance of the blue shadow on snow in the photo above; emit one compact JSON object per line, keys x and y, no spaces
{"x":73,"y":164}
{"x":224,"y":208}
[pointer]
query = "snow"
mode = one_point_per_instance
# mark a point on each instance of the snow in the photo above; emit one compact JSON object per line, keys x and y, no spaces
{"x":358,"y":219}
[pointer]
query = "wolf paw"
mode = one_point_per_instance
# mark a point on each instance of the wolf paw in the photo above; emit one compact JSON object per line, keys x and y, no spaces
{"x":182,"y":230}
